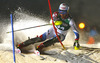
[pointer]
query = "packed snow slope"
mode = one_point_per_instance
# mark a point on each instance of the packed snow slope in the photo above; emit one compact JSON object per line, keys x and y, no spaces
{"x":55,"y":54}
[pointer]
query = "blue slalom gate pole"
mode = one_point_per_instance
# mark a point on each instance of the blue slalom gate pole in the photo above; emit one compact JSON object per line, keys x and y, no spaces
{"x":11,"y":17}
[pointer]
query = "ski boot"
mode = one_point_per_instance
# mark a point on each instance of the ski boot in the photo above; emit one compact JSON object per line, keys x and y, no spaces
{"x":40,"y":47}
{"x":18,"y":50}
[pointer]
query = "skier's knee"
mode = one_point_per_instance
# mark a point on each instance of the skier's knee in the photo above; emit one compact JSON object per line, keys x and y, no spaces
{"x":43,"y":36}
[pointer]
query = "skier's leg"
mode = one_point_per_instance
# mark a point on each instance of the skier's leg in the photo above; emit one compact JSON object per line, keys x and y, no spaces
{"x":47,"y":35}
{"x":36,"y":39}
{"x":33,"y":40}
{"x":47,"y":43}
{"x":28,"y":42}
{"x":50,"y":42}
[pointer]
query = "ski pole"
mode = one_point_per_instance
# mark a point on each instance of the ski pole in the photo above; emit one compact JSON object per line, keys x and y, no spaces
{"x":11,"y":17}
{"x":54,"y":24}
{"x":29,"y":28}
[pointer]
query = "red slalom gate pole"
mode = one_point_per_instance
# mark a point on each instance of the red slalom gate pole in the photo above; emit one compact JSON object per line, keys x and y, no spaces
{"x":54,"y":25}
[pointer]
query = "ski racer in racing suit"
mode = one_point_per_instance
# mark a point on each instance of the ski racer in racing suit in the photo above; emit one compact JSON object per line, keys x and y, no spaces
{"x":63,"y":22}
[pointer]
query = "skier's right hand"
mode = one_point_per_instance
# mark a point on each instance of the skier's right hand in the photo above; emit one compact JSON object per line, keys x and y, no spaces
{"x":58,"y":22}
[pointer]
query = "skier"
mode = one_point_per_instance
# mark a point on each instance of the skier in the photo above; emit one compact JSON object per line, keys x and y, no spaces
{"x":63,"y":21}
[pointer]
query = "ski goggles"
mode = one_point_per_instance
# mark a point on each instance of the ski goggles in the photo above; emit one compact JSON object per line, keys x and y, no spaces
{"x":63,"y":11}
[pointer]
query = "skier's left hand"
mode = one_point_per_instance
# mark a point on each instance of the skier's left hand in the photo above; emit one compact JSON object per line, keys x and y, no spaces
{"x":76,"y":45}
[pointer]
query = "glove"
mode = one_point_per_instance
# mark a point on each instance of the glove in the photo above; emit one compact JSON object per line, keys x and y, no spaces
{"x":56,"y":22}
{"x":76,"y":45}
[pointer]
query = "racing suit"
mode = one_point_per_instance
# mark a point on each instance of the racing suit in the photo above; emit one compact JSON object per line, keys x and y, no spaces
{"x":50,"y":34}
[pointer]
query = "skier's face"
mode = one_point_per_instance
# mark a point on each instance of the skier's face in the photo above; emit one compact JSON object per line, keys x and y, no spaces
{"x":63,"y":16}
